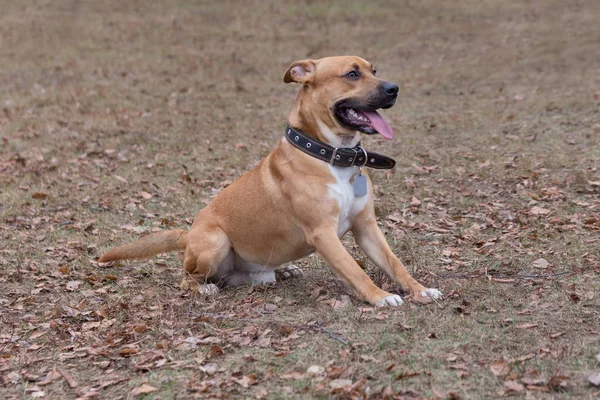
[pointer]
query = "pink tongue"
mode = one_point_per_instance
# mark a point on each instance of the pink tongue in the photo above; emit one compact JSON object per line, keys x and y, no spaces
{"x":380,"y":124}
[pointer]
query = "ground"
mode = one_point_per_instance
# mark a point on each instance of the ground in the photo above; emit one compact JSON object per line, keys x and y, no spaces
{"x":124,"y":117}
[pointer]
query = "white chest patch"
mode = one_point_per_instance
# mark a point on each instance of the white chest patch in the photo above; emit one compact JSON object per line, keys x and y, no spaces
{"x":343,"y":192}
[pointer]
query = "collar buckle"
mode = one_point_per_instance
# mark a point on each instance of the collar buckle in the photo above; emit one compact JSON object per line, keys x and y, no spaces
{"x":356,"y":156}
{"x":333,"y":156}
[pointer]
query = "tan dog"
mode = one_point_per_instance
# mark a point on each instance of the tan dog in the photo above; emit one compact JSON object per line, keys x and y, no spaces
{"x":293,"y":204}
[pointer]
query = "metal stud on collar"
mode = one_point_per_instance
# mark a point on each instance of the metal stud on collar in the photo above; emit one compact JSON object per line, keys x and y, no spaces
{"x":323,"y":151}
{"x":297,"y":138}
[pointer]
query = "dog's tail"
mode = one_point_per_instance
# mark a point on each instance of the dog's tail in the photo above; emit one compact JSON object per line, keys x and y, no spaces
{"x":148,"y":246}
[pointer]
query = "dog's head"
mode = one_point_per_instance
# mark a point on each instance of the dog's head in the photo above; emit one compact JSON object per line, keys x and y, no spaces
{"x":343,"y":94}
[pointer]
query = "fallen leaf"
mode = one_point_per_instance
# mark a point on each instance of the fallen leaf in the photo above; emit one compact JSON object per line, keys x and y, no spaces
{"x":70,"y":381}
{"x":340,"y":384}
{"x":341,"y":304}
{"x":526,"y":357}
{"x":120,"y":178}
{"x":209,"y":368}
{"x":39,"y":196}
{"x":594,"y":379}
{"x":558,"y":383}
{"x":533,"y":381}
{"x":214,"y":351}
{"x":541,"y":263}
{"x":526,"y":326}
{"x":73,"y":285}
{"x":293,"y":375}
{"x":315,"y":370}
{"x":145,"y":388}
{"x":514,"y":386}
{"x":499,"y":368}
{"x":539,"y":211}
{"x":244,"y":381}
{"x":145,"y":195}
{"x":128,"y":351}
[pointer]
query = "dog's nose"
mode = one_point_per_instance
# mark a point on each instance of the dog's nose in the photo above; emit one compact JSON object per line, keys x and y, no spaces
{"x":391,"y":89}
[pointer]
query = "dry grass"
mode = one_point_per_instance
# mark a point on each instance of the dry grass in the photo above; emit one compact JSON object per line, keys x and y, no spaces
{"x":499,"y":114}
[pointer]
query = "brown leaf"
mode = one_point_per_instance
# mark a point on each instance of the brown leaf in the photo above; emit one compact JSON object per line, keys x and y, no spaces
{"x":70,"y":380}
{"x":293,"y":375}
{"x":539,"y":211}
{"x":215,"y":350}
{"x":145,"y":195}
{"x":315,"y":370}
{"x":541,"y":263}
{"x":341,"y":304}
{"x":50,"y":378}
{"x":558,"y":383}
{"x":526,"y":357}
{"x":120,"y":178}
{"x":73,"y":285}
{"x":128,"y":351}
{"x":499,"y":368}
{"x":145,"y":388}
{"x":514,"y":386}
{"x":526,"y":326}
{"x":340,"y":384}
{"x":39,"y":196}
{"x":462,"y":374}
{"x":244,"y":381}
{"x":533,"y":381}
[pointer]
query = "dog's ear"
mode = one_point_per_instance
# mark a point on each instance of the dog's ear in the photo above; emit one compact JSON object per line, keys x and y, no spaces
{"x":301,"y":71}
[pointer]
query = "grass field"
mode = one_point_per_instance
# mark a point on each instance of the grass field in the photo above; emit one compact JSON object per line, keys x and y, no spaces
{"x":119,"y":118}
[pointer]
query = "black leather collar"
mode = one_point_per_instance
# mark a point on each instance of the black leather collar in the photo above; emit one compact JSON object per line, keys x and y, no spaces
{"x":339,"y":157}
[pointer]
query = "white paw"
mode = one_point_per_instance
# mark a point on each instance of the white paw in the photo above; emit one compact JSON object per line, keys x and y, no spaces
{"x":288,"y":271}
{"x":392,"y":300}
{"x":208,"y":289}
{"x":432,"y":293}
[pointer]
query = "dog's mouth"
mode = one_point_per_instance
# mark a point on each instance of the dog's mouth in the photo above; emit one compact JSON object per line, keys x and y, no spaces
{"x":362,"y":119}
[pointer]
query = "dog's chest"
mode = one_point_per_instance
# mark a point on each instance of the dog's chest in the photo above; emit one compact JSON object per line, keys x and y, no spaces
{"x":343,"y":192}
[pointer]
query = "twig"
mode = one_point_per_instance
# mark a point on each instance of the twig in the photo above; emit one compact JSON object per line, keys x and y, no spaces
{"x":333,"y":335}
{"x":517,"y":276}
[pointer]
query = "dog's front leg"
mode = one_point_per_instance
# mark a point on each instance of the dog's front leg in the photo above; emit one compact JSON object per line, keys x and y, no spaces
{"x":372,"y":241}
{"x":328,"y":245}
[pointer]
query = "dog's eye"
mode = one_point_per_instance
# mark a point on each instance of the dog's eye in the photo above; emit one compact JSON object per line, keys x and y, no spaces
{"x":352,"y":75}
{"x":374,"y":71}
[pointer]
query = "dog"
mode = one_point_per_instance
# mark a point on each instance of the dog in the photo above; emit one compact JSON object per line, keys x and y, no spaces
{"x":303,"y":197}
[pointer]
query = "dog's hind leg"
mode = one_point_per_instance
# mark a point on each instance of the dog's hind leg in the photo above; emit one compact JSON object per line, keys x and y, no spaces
{"x":207,"y":249}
